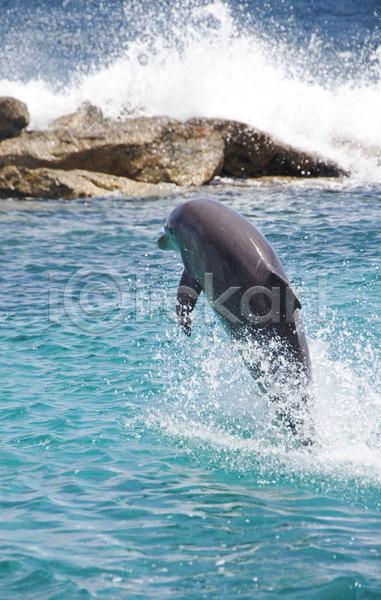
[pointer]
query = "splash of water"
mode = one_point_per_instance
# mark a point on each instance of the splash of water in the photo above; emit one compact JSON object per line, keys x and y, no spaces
{"x":213,"y":411}
{"x":202,"y":59}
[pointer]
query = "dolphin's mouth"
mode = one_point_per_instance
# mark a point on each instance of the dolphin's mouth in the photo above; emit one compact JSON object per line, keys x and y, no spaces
{"x":164,"y":242}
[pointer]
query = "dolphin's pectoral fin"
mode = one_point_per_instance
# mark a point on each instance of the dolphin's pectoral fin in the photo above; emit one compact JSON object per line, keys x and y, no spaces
{"x":187,"y":295}
{"x":289,"y":301}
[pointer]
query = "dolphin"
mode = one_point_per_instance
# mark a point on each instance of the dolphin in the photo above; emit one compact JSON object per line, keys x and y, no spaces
{"x":229,"y":259}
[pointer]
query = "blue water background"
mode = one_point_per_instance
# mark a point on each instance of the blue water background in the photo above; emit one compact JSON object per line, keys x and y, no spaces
{"x":135,"y":462}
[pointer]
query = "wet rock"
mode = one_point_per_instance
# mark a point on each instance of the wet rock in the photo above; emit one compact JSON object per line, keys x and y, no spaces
{"x":87,"y":117}
{"x":249,"y":152}
{"x":21,"y":182}
{"x":152,"y":150}
{"x":14,"y":116}
{"x":85,"y":154}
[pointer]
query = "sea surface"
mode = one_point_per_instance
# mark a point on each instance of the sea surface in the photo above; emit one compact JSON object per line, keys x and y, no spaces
{"x":136,"y":462}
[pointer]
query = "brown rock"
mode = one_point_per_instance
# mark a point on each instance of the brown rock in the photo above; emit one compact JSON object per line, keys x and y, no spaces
{"x":184,"y":155}
{"x":252,"y":153}
{"x":152,"y":150}
{"x":14,"y":116}
{"x":21,"y":182}
{"x":87,"y":117}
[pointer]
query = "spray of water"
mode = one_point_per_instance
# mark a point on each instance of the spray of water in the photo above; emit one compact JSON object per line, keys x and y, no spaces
{"x":213,"y":410}
{"x":203,"y":59}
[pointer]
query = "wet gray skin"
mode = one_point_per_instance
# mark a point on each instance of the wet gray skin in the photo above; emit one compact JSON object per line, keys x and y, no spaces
{"x":229,"y":259}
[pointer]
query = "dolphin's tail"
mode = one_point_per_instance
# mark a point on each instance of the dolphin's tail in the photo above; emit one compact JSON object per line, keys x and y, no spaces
{"x":283,"y":376}
{"x":296,"y":416}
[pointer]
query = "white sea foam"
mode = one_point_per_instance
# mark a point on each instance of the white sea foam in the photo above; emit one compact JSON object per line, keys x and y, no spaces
{"x":214,"y":411}
{"x":204,"y":64}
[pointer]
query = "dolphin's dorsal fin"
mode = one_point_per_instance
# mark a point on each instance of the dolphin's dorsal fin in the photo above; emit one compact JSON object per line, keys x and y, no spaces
{"x":289,"y":301}
{"x":187,"y":294}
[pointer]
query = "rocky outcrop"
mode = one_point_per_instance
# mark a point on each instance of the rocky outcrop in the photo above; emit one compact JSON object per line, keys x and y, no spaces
{"x":21,"y":182}
{"x":249,"y":152}
{"x":84,"y":154}
{"x":14,"y":116}
{"x":87,"y":117}
{"x":152,"y":150}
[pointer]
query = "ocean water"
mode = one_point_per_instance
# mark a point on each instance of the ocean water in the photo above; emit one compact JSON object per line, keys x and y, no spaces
{"x":136,"y":462}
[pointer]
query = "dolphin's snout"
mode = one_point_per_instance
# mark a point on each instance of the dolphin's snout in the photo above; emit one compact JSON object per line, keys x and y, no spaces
{"x":165,"y":242}
{"x":162,"y":240}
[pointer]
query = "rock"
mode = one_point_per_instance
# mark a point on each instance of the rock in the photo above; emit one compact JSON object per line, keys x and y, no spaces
{"x":14,"y":116}
{"x":85,"y":155}
{"x":152,"y":150}
{"x":183,"y":154}
{"x":21,"y":182}
{"x":87,"y":117}
{"x":251,"y":153}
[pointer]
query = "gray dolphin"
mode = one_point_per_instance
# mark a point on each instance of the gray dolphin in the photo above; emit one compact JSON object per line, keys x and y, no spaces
{"x":229,"y":259}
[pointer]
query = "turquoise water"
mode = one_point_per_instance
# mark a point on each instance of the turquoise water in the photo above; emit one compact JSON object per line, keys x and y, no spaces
{"x":138,"y":463}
